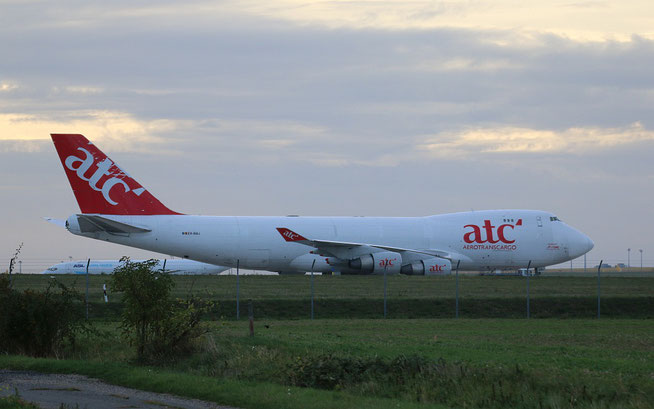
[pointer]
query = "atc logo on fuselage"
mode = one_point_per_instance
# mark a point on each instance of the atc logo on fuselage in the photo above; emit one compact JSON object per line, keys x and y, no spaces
{"x":489,"y":237}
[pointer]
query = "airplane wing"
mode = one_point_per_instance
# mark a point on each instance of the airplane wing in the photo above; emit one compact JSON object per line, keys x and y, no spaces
{"x":94,"y":223}
{"x":346,"y":250}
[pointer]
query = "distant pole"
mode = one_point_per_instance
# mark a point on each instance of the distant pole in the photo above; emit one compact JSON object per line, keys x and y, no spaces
{"x":570,"y":266}
{"x":238,"y":314}
{"x":599,"y":268}
{"x":628,"y":257}
{"x":312,"y":265}
{"x":641,"y":259}
{"x":457,"y":288}
{"x":584,"y":263}
{"x":528,"y":310}
{"x":87,"y":288}
{"x":163,"y":269}
{"x":385,"y":292}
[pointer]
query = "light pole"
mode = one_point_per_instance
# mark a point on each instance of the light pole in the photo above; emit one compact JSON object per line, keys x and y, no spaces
{"x":641,"y":258}
{"x":628,"y":258}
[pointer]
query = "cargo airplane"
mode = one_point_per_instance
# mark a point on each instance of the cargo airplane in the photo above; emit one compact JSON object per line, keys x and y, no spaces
{"x":116,"y":208}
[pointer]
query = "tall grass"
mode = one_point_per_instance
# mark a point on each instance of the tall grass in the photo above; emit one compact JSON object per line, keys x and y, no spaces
{"x":456,"y":363}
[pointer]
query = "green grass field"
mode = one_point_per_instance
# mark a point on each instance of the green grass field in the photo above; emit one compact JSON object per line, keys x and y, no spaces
{"x":288,"y":297}
{"x":343,"y":287}
{"x":338,"y":361}
{"x":455,"y":363}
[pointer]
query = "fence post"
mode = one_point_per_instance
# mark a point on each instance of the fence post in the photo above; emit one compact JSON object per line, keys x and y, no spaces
{"x":457,"y":288}
{"x":238,"y":312}
{"x":251,"y":317}
{"x":312,"y":266}
{"x":384,"y":292}
{"x":528,"y":310}
{"x":599,"y":288}
{"x":87,"y":289}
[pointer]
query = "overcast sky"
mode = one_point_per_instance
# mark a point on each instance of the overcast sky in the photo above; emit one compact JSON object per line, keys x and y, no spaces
{"x":403,"y":108}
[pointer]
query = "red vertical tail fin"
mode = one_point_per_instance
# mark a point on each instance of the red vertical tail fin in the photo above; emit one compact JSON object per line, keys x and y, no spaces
{"x":101,"y":186}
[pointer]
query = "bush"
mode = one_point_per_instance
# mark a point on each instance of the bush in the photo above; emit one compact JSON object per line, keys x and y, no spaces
{"x":39,"y":323}
{"x":15,"y":402}
{"x":160,"y":327}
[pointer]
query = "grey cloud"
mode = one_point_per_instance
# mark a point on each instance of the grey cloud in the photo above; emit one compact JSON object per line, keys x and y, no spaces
{"x":274,"y":118}
{"x":324,"y":75}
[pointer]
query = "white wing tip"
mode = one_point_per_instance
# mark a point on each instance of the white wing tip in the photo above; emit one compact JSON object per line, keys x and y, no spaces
{"x":58,"y":222}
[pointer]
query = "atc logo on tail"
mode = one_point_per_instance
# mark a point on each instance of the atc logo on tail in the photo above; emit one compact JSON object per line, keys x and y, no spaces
{"x":100,"y":186}
{"x":102,"y":169}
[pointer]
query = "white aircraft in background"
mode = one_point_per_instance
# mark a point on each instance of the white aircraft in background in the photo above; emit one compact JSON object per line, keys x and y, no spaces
{"x":116,"y":208}
{"x":172,"y":266}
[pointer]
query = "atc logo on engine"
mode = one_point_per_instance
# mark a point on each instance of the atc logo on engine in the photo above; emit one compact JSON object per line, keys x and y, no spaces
{"x":386,"y":263}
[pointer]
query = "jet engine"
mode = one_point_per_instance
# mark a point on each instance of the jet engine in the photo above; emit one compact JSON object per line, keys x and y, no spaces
{"x":376,"y":263}
{"x":429,"y":267}
{"x":72,"y":225}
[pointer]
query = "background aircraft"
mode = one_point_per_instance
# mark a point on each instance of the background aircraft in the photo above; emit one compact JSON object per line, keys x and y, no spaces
{"x":173,"y":266}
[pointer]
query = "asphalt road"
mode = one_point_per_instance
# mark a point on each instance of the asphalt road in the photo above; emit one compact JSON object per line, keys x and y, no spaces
{"x":49,"y":391}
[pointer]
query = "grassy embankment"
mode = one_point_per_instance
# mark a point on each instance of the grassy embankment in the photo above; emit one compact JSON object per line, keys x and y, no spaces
{"x":383,"y":363}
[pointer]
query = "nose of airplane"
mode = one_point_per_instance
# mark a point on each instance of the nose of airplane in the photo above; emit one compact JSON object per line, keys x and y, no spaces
{"x":578,"y":243}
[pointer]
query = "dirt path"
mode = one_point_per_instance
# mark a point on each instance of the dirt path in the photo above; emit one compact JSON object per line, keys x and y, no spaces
{"x":49,"y":391}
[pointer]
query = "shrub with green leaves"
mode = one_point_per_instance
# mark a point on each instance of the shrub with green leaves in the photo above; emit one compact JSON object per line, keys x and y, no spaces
{"x":159,"y":326}
{"x":39,"y":323}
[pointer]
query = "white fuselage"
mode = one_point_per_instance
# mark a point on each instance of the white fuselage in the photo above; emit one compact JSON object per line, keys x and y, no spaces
{"x":174,"y":266}
{"x":478,"y":240}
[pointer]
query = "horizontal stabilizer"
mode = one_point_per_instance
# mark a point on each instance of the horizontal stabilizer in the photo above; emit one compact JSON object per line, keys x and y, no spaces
{"x":58,"y":222}
{"x":93,"y":223}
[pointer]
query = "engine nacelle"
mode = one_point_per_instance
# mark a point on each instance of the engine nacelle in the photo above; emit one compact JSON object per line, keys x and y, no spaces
{"x":377,"y":263}
{"x":430,"y":267}
{"x":72,"y":225}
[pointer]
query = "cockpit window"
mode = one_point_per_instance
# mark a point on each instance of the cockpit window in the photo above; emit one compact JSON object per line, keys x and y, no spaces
{"x":554,"y":219}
